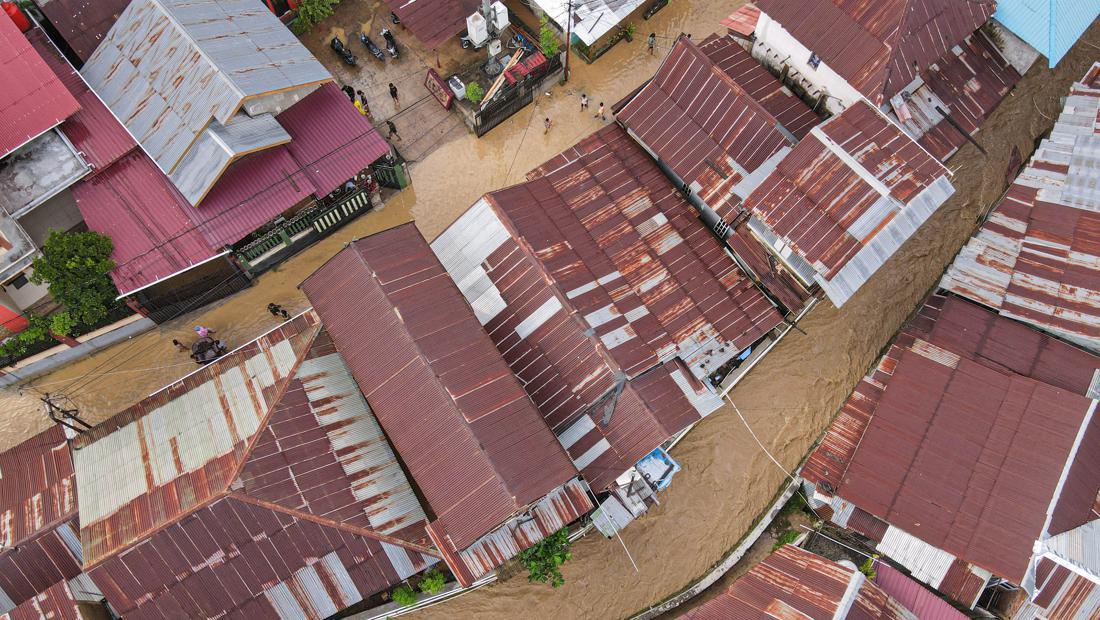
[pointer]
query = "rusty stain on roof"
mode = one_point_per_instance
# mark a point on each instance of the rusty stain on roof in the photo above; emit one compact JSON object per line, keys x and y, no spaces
{"x":702,"y":124}
{"x":879,"y":46}
{"x":488,"y":454}
{"x":794,"y":583}
{"x":1037,"y":257}
{"x":956,"y":374}
{"x":832,"y":198}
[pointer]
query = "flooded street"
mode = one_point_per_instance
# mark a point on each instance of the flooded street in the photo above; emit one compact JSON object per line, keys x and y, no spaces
{"x":788,"y":398}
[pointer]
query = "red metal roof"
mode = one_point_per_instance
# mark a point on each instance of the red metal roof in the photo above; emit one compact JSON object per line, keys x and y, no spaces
{"x":912,"y":595}
{"x":33,"y":99}
{"x":244,"y":560}
{"x":839,"y":188}
{"x":54,"y":603}
{"x":146,"y":218}
{"x":434,"y":21}
{"x":1061,"y":594}
{"x":1035,"y":257}
{"x":171,"y":468}
{"x":697,"y":119}
{"x":794,"y":583}
{"x":962,"y":390}
{"x":879,"y":47}
{"x":171,"y":530}
{"x":970,"y":84}
{"x":330,"y":140}
{"x":37,"y":563}
{"x":791,"y":112}
{"x":458,"y":418}
{"x":93,"y":130}
{"x":38,"y":486}
{"x":82,"y":24}
{"x":743,"y":20}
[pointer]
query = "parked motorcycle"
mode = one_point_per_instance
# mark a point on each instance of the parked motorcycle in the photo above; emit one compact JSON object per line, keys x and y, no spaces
{"x":338,"y":46}
{"x":391,"y":43}
{"x":395,"y":19}
{"x":371,"y":47}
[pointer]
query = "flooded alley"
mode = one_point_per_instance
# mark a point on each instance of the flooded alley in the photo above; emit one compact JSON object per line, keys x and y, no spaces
{"x":788,"y":399}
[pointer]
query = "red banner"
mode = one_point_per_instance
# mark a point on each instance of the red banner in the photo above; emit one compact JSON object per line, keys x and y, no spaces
{"x":439,"y":89}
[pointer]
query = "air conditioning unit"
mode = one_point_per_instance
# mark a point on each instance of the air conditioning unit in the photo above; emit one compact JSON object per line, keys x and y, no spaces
{"x":477,"y":29}
{"x":500,"y":16}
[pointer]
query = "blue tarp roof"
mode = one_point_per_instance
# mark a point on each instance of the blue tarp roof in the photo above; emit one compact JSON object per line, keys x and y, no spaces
{"x":1050,"y":26}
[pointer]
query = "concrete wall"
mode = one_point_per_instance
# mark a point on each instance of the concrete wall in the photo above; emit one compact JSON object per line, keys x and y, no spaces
{"x":775,"y":47}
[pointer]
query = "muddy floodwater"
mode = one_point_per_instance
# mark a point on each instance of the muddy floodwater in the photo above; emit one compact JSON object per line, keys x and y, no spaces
{"x":788,"y":399}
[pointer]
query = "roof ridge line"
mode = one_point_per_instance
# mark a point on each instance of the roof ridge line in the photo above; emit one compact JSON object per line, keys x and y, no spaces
{"x":324,"y":521}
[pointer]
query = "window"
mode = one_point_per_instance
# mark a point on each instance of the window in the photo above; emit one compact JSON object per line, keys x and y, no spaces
{"x":19,"y":282}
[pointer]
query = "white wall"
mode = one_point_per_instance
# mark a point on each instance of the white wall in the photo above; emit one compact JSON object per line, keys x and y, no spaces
{"x":774,"y":46}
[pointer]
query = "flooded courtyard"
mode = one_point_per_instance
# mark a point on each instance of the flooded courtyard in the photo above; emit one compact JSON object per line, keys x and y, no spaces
{"x":788,"y":399}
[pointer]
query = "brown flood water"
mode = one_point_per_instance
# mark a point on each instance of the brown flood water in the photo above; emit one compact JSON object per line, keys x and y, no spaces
{"x":788,"y":399}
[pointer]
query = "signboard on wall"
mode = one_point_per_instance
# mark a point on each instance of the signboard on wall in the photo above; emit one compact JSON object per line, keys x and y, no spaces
{"x":438,"y":88}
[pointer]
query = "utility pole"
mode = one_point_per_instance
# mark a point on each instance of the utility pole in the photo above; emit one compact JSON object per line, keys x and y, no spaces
{"x":66,"y":417}
{"x":568,"y":34}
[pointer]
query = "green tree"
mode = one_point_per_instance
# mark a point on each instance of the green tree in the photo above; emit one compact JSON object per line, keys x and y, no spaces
{"x":404,"y":596}
{"x":548,"y":39}
{"x":543,"y":561}
{"x":75,"y":266}
{"x":474,"y":92}
{"x":868,"y":568}
{"x":432,"y":582}
{"x":311,"y":12}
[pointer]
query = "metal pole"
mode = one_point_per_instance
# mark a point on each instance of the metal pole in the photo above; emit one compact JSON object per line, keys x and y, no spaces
{"x":569,"y":39}
{"x":626,"y":550}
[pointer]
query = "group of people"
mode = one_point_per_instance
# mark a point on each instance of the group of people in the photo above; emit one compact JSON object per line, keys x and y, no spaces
{"x":205,"y":349}
{"x":359,"y":100}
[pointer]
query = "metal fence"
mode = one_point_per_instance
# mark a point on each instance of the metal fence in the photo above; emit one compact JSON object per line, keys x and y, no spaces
{"x":513,"y":98}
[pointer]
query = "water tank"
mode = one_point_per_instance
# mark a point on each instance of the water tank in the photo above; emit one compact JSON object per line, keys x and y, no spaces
{"x":477,"y":29}
{"x":500,"y":16}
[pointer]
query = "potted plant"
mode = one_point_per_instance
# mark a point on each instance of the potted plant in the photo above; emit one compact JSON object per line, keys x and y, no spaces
{"x":629,"y":31}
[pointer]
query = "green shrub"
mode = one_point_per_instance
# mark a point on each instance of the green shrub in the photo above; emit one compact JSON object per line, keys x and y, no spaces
{"x":474,"y":92}
{"x":548,"y":39}
{"x":404,"y":596}
{"x":543,"y":561}
{"x":311,"y":12}
{"x":868,"y":568}
{"x":76,"y":268}
{"x":785,"y":538}
{"x":433,"y":582}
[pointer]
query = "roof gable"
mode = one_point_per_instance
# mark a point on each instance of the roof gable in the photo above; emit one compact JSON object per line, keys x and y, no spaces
{"x":173,"y":452}
{"x":702,"y":124}
{"x":488,"y":454}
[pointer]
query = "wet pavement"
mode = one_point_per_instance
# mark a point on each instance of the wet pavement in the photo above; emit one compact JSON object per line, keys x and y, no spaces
{"x":788,"y":398}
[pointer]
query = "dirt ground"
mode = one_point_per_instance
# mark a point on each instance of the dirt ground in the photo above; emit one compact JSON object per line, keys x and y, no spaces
{"x":788,"y":398}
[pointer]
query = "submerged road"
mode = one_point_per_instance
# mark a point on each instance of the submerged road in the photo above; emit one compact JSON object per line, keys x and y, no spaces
{"x":788,"y":398}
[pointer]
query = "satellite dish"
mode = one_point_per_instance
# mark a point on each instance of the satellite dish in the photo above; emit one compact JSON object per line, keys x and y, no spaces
{"x":494,"y":47}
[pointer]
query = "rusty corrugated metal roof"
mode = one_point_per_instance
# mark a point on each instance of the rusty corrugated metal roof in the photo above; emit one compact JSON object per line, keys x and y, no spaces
{"x":879,"y":47}
{"x":433,"y":22}
{"x":702,"y":124}
{"x":790,"y":111}
{"x":968,"y":82}
{"x":556,"y":510}
{"x":53,"y":603}
{"x":321,"y":515}
{"x":956,"y":374}
{"x":468,"y":434}
{"x":794,"y":583}
{"x":846,"y":197}
{"x":29,"y":569}
{"x":592,"y":274}
{"x":38,"y":486}
{"x":1036,"y":258}
{"x":181,"y":447}
{"x":913,"y":596}
{"x":238,"y":558}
